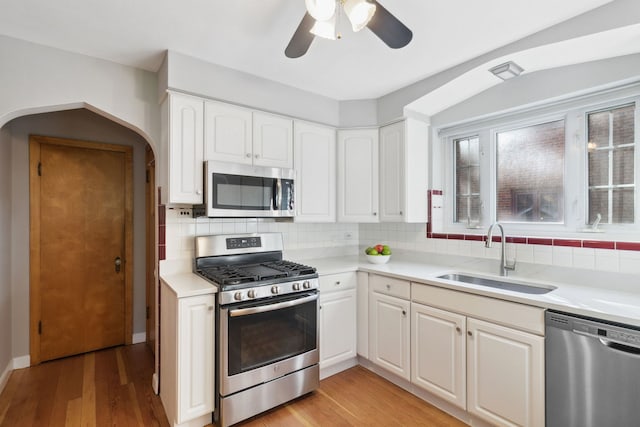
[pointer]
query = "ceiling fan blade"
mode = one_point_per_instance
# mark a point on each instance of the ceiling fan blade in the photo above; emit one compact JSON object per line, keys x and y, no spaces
{"x":301,"y":39}
{"x":388,"y":28}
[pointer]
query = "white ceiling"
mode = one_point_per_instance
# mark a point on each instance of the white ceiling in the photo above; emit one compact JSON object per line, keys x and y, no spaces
{"x":250,"y":35}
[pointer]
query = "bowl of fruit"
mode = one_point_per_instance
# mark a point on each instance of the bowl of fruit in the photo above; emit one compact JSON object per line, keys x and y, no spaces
{"x":378,"y":254}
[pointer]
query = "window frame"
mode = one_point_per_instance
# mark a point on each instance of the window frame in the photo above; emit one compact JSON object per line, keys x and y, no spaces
{"x":574,"y":111}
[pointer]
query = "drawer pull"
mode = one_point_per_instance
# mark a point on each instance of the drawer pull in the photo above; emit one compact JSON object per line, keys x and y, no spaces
{"x":338,"y":283}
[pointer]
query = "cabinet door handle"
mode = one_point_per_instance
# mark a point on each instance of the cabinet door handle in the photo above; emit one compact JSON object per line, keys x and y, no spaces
{"x":256,"y":156}
{"x":400,"y":213}
{"x":248,"y":155}
{"x":210,"y":308}
{"x":470,"y":333}
{"x":404,"y":313}
{"x":338,"y":283}
{"x":375,"y":213}
{"x":458,"y":330}
{"x":388,"y":287}
{"x":319,"y":307}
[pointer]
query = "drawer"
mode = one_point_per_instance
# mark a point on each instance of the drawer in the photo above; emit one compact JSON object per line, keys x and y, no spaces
{"x":338,"y":282}
{"x":390,"y":286}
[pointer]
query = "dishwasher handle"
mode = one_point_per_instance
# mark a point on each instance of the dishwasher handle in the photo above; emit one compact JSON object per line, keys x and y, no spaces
{"x":620,"y":347}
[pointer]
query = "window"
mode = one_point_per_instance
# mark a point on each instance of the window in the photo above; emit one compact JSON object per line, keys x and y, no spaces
{"x":611,"y":148}
{"x":467,"y":170}
{"x":546,"y":170}
{"x":530,"y":173}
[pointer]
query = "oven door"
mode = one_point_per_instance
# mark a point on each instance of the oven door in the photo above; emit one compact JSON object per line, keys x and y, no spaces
{"x":266,"y":340}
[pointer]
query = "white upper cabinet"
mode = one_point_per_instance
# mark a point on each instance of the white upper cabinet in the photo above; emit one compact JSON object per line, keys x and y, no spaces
{"x":272,"y":141}
{"x":227,"y":133}
{"x":315,"y":164}
{"x":184,"y":169}
{"x":392,"y":167}
{"x":404,"y":171}
{"x":358,"y":175}
{"x":238,"y":135}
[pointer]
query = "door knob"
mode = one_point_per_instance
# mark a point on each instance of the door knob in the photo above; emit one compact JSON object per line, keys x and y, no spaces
{"x":118,"y":263}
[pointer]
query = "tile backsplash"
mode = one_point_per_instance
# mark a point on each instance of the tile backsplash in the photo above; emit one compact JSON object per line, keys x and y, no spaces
{"x":337,"y":239}
{"x":326,"y":239}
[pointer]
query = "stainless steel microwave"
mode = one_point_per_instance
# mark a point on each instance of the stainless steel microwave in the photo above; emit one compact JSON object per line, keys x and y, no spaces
{"x":243,"y":191}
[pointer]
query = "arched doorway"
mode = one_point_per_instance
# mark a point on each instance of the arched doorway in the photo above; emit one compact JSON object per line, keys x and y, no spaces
{"x":85,"y":124}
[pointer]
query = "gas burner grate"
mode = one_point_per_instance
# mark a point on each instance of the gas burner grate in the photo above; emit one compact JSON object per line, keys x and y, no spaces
{"x":228,"y":275}
{"x":291,"y":268}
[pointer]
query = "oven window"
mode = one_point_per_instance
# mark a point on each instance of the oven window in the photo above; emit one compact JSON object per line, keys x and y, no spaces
{"x":260,"y":339}
{"x":242,"y":192}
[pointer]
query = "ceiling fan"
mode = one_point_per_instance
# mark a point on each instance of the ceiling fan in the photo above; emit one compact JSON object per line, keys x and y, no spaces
{"x":320,"y":20}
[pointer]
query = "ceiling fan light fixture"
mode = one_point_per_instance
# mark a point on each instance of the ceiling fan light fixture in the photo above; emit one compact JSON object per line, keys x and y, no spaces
{"x":325,"y":29}
{"x":321,"y":10}
{"x":359,"y":13}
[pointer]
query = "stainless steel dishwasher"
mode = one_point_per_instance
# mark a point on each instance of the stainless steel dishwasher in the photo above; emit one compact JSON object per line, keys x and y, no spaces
{"x":592,"y":372}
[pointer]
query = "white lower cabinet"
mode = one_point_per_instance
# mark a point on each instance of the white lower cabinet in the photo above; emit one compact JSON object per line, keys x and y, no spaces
{"x":337,"y":317}
{"x":438,"y":353}
{"x":493,"y":371}
{"x":505,"y":370}
{"x":389,"y":325}
{"x":187,"y":357}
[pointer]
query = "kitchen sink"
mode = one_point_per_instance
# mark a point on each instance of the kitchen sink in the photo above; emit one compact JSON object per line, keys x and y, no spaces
{"x":498,"y":283}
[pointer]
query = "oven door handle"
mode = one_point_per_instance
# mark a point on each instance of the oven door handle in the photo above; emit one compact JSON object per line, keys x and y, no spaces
{"x":271,"y":307}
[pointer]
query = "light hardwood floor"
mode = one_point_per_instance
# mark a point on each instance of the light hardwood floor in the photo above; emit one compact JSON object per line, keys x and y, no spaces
{"x":112,"y":387}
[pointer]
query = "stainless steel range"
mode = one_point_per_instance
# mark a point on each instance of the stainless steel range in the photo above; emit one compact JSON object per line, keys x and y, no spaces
{"x":266,"y":323}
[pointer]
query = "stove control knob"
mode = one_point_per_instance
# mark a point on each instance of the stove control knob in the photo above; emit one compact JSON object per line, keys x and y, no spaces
{"x":296,"y":286}
{"x":237,"y":296}
{"x":306,"y":284}
{"x":251,"y":293}
{"x":275,"y":289}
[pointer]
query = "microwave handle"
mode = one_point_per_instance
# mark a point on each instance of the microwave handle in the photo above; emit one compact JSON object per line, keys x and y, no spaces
{"x":277,"y":194}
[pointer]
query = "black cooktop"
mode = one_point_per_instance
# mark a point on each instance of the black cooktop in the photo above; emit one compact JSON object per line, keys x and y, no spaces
{"x":224,"y":275}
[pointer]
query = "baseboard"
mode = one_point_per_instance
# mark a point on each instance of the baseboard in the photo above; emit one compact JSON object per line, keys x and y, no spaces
{"x":328,"y":371}
{"x":4,"y":378}
{"x":21,"y":362}
{"x":139,"y":337}
{"x":154,"y":383}
{"x":15,"y":363}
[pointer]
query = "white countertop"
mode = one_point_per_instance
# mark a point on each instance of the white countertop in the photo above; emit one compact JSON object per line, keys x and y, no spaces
{"x":178,"y":276}
{"x":609,"y":296}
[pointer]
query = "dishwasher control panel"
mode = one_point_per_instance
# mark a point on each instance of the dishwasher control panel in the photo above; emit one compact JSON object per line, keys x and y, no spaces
{"x":622,"y":335}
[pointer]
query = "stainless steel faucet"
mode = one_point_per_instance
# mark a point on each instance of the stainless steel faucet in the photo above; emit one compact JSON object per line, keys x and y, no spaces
{"x":505,"y":265}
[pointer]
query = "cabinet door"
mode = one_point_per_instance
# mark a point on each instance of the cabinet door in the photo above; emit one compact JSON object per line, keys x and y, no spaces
{"x":315,"y":164}
{"x":227,"y":133}
{"x":505,"y":375}
{"x":272,"y":141}
{"x":389,"y":345}
{"x":358,"y":175}
{"x":195,"y":357}
{"x":392,"y":168}
{"x":438,"y":353}
{"x":337,"y":327}
{"x":185,"y":149}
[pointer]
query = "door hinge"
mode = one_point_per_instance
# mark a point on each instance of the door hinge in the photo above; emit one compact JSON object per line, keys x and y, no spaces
{"x":39,"y":168}
{"x":147,"y":312}
{"x":40,"y":327}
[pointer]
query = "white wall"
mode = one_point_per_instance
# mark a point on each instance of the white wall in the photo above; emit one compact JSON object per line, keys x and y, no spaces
{"x":5,"y":251}
{"x":35,"y":78}
{"x":75,"y":124}
{"x":192,"y":75}
{"x":612,"y":15}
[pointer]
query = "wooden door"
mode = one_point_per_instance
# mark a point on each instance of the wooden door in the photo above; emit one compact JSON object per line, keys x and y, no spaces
{"x":80,"y":243}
